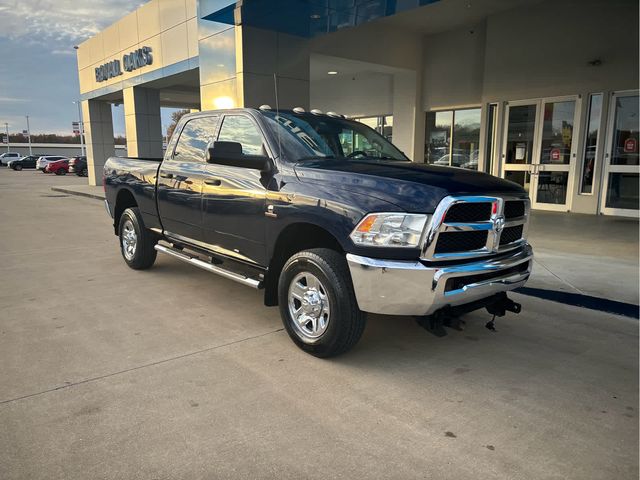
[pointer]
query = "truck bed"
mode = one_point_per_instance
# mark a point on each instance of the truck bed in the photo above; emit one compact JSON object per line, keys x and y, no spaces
{"x":138,"y":176}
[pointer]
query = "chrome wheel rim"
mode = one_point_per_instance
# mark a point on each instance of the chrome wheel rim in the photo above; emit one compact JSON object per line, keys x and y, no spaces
{"x":309,"y":306}
{"x":129,"y":240}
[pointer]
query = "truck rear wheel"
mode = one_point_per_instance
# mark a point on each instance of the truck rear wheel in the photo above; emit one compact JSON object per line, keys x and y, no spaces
{"x":136,"y":242}
{"x":317,"y":303}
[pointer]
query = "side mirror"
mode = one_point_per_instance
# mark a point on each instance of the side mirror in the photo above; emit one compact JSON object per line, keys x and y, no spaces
{"x":230,"y":153}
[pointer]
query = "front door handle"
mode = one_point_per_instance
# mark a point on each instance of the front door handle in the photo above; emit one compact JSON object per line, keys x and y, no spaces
{"x":214,"y":182}
{"x":166,"y":175}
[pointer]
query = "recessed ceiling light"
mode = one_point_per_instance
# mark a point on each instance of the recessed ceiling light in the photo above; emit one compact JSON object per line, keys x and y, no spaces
{"x":332,"y":72}
{"x":315,"y":16}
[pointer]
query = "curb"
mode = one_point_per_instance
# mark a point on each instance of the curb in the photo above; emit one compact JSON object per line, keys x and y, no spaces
{"x":75,"y":192}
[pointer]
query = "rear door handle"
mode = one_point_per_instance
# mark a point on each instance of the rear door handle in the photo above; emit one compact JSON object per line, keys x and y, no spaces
{"x":166,"y":175}
{"x":215,"y":182}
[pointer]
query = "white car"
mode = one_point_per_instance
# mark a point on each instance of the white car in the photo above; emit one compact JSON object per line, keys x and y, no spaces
{"x":44,"y":161}
{"x":5,"y":158}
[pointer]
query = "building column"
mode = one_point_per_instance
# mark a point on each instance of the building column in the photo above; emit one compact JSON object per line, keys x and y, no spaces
{"x":98,"y":126}
{"x":408,"y":115}
{"x":142,"y":122}
{"x":270,"y":59}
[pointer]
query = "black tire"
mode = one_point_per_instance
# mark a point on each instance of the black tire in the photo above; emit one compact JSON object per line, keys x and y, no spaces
{"x":345,"y":323}
{"x":83,"y":172}
{"x":61,"y":171}
{"x":143,"y":255}
{"x":17,"y":167}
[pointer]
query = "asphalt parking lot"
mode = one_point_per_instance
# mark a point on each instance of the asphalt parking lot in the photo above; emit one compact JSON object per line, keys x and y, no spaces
{"x":175,"y":373}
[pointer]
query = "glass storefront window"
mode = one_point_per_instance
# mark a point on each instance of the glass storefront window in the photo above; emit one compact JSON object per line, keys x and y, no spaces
{"x":466,"y":138}
{"x":438,"y":136}
{"x":491,"y":136}
{"x":591,"y":143}
{"x":453,"y":137}
{"x":625,"y":132}
{"x":557,"y":132}
{"x":522,"y":125}
{"x":622,"y":191}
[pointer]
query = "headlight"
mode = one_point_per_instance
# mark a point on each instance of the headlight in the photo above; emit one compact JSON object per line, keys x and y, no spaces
{"x":389,"y":230}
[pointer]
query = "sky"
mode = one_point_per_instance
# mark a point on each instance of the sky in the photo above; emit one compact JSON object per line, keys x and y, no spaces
{"x":38,"y":67}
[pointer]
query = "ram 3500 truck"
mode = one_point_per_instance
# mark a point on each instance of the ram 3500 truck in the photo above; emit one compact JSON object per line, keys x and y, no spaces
{"x":325,"y":215}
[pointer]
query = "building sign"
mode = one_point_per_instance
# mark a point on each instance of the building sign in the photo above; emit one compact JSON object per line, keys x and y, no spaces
{"x":630,"y":145}
{"x":131,"y":61}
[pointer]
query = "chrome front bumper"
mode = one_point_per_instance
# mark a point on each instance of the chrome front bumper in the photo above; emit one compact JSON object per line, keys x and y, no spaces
{"x":398,"y":287}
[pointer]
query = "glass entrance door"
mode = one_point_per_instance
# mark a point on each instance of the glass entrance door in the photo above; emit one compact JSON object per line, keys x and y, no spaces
{"x":621,"y":166}
{"x":539,"y":150}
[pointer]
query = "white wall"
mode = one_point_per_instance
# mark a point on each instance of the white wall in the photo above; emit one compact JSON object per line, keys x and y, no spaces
{"x":453,"y":68}
{"x":360,"y":95}
{"x":544,"y":50}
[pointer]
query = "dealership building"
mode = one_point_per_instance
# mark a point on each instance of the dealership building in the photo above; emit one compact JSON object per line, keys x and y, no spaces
{"x":543,"y":93}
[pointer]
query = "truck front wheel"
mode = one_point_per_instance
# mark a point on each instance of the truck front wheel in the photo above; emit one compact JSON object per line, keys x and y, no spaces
{"x":317,"y":303}
{"x":136,"y":242}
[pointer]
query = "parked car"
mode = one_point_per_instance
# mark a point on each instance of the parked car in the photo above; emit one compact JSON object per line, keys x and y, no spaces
{"x":275,"y":204}
{"x":59,"y":167}
{"x":42,"y":162}
{"x":78,"y":165}
{"x":7,"y":156}
{"x":25,"y":162}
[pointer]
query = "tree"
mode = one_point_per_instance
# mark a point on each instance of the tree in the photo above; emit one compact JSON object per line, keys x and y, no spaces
{"x":175,"y":118}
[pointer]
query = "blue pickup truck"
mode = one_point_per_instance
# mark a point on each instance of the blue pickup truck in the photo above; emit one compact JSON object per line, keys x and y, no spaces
{"x":327,"y":217}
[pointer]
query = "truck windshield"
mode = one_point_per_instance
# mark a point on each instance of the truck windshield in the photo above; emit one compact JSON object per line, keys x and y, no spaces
{"x":311,"y":137}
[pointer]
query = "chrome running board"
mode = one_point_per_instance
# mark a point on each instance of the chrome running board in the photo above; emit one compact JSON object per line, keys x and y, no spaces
{"x":251,"y":282}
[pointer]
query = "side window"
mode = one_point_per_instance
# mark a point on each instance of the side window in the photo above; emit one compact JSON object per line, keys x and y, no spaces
{"x":241,"y":129}
{"x":194,"y":138}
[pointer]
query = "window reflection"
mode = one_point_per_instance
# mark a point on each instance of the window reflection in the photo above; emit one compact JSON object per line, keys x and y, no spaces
{"x":622,"y":191}
{"x":438,"y":137}
{"x":194,"y":138}
{"x":625,"y":132}
{"x":453,"y":138}
{"x":591,"y":143}
{"x":557,"y":132}
{"x":520,"y":130}
{"x":238,"y":128}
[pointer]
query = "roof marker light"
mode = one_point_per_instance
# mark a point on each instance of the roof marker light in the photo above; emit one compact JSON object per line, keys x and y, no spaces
{"x":265,"y":107}
{"x":298,"y":110}
{"x":315,"y":111}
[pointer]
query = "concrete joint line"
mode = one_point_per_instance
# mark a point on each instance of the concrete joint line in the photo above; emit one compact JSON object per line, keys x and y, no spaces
{"x":139,"y":367}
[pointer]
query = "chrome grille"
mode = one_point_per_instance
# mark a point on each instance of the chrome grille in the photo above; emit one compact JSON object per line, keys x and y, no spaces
{"x":475,"y":226}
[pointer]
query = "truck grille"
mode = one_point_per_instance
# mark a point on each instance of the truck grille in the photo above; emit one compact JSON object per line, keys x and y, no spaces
{"x":511,"y":234}
{"x":467,"y":227}
{"x":514,"y":209}
{"x":469,"y":212}
{"x":460,"y":241}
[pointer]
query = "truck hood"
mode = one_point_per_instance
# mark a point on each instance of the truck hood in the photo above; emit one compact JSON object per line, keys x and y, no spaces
{"x":413,"y":187}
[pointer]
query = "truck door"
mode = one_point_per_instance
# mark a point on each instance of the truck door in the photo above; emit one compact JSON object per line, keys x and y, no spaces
{"x":234,"y":197}
{"x":180,"y":180}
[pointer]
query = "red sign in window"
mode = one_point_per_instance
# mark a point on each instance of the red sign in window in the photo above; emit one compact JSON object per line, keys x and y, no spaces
{"x":630,"y":145}
{"x":555,"y":154}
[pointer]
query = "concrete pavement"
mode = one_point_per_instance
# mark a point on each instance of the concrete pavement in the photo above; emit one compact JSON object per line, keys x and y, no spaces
{"x":175,"y":373}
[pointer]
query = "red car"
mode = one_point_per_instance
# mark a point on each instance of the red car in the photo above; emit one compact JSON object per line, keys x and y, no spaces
{"x":59,"y":167}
